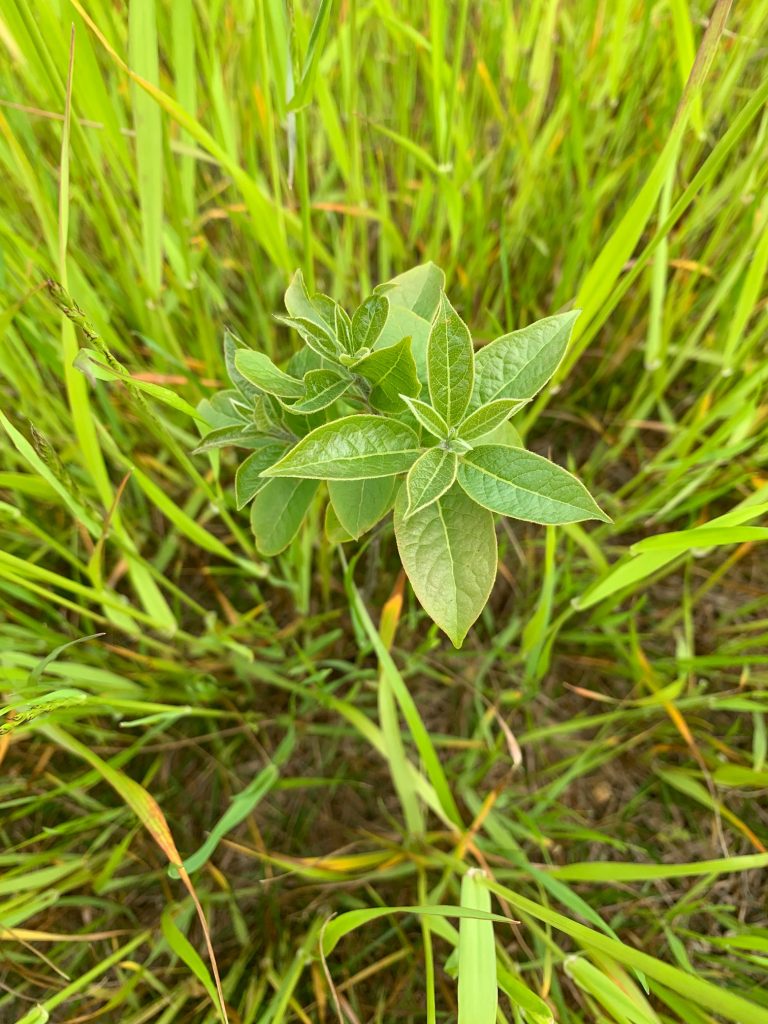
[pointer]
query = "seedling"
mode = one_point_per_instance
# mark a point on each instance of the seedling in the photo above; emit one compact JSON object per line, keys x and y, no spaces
{"x":393,"y":408}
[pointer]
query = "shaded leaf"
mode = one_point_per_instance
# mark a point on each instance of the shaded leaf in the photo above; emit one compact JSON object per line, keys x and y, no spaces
{"x":448,"y":551}
{"x":278,"y":511}
{"x":360,"y":504}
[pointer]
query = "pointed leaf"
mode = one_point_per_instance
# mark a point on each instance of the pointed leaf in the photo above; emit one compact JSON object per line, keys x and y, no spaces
{"x":334,"y":531}
{"x":418,"y":289}
{"x":318,"y":336}
{"x":450,"y":364}
{"x":277,"y":513}
{"x":352,"y":448}
{"x":300,"y":305}
{"x":392,"y":371}
{"x":248,"y":478}
{"x":517,"y":483}
{"x":324,"y":387}
{"x":238,"y":436}
{"x":485,"y":419}
{"x":518,"y":365}
{"x":343,"y":326}
{"x":231,"y":348}
{"x":428,"y":417}
{"x":428,"y":478}
{"x":360,"y":504}
{"x":478,"y":992}
{"x":448,"y":551}
{"x":261,"y":371}
{"x":368,"y":322}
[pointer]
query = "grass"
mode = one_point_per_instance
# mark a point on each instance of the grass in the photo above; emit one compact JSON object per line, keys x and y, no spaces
{"x":599,"y":745}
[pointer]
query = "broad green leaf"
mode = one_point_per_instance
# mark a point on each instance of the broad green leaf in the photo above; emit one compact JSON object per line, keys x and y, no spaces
{"x":485,"y":419}
{"x":518,"y":365}
{"x":505,"y":434}
{"x":368,"y":322}
{"x":231,"y":348}
{"x":334,"y":531}
{"x":418,"y":290}
{"x":324,"y":387}
{"x":277,"y":513}
{"x":403,"y":323}
{"x":517,"y":483}
{"x":392,"y":372}
{"x":450,"y":364}
{"x":259,"y":369}
{"x":478,"y":992}
{"x":360,"y":504}
{"x":318,"y":336}
{"x":428,"y":478}
{"x":248,"y":478}
{"x":303,"y":307}
{"x":448,"y":551}
{"x":428,"y":417}
{"x":239,"y":435}
{"x":352,"y":448}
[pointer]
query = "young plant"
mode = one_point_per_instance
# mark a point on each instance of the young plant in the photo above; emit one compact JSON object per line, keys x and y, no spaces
{"x":392,"y":408}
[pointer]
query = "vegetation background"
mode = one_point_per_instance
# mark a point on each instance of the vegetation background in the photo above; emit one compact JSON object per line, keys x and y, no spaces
{"x":603,"y":729}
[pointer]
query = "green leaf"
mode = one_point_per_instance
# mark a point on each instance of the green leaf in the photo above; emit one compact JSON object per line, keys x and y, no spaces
{"x":428,"y":478}
{"x":450,"y":364}
{"x":240,"y":435}
{"x":448,"y":551}
{"x":248,"y":478}
{"x":428,"y":417}
{"x":418,"y":289}
{"x":343,"y":327}
{"x":351,"y":448}
{"x":334,"y":531}
{"x":518,"y":365}
{"x":392,"y":371}
{"x":517,"y":483}
{"x":242,"y":805}
{"x":262,"y":372}
{"x":343,"y":924}
{"x":94,"y":364}
{"x":478,"y":992}
{"x":301,"y":306}
{"x":183,"y":948}
{"x":360,"y":504}
{"x":231,"y":348}
{"x":324,"y":387}
{"x":304,"y":89}
{"x":485,"y":419}
{"x":318,"y":336}
{"x":277,"y":513}
{"x":368,"y":322}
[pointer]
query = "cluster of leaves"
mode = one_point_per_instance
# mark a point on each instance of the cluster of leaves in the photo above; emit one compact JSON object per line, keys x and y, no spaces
{"x":393,"y":408}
